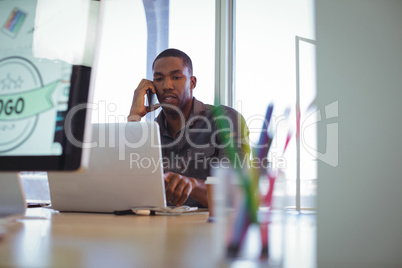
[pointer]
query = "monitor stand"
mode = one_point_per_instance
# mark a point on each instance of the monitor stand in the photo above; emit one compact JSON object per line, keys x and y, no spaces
{"x":12,"y":198}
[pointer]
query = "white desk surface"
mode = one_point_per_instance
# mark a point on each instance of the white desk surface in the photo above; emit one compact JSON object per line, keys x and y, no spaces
{"x":46,"y":238}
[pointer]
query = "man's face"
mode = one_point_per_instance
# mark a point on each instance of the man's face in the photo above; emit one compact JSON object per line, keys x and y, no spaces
{"x":174,"y":84}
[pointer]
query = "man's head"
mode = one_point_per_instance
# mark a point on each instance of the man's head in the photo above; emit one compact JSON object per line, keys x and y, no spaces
{"x":172,"y":52}
{"x":174,"y":82}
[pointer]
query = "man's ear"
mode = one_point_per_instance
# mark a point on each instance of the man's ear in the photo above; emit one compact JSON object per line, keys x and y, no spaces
{"x":193,"y":82}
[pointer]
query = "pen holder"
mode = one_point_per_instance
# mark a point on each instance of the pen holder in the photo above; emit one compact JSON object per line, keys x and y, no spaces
{"x":246,"y":233}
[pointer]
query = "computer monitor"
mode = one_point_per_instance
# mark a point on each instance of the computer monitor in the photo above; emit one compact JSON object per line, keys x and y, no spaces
{"x":47,"y":52}
{"x":42,"y":96}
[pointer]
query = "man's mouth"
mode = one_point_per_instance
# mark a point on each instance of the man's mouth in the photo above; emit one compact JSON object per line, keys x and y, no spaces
{"x":168,"y":98}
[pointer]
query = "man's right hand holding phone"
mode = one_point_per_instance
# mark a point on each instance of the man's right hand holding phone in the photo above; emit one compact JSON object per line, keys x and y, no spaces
{"x":138,"y":108}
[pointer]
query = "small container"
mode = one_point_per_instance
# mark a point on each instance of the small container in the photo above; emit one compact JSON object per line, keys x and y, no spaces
{"x":210,"y":183}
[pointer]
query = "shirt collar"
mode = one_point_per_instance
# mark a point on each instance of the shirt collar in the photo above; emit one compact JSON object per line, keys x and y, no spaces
{"x":197,"y":108}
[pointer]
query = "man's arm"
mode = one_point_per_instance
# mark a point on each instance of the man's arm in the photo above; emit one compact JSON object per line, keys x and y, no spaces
{"x":138,"y":108}
{"x":234,"y":133}
{"x":179,"y":188}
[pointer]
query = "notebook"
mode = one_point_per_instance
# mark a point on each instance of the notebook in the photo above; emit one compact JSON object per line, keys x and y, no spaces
{"x":125,"y":171}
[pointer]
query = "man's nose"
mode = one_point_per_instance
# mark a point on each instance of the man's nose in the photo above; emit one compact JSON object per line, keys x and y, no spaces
{"x":168,"y":84}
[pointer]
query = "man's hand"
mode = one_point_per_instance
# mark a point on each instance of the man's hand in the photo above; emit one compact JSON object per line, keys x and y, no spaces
{"x":178,"y":188}
{"x":138,"y":108}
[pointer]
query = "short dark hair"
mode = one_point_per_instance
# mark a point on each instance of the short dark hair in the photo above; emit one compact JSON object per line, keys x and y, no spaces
{"x":172,"y":52}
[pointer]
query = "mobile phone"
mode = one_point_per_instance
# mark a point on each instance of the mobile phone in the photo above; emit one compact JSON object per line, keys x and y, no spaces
{"x":150,"y":98}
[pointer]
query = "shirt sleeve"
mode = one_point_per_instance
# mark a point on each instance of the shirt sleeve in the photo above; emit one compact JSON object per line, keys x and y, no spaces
{"x":233,"y":137}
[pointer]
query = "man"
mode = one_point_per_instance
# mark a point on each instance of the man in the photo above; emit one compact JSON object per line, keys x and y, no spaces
{"x":190,"y":138}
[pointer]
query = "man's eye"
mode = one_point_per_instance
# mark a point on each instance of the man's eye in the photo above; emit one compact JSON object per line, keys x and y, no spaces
{"x":158,"y":79}
{"x":175,"y":77}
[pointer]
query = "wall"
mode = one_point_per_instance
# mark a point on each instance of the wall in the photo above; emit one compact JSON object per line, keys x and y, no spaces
{"x":359,"y":64}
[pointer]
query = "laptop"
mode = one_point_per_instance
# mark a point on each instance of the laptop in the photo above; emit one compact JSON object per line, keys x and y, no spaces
{"x":12,"y":199}
{"x":125,"y":171}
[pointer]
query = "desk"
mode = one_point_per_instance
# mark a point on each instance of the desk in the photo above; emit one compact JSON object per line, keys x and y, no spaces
{"x":46,"y":238}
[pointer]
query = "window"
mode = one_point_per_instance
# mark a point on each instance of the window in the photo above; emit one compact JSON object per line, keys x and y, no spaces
{"x":125,"y":47}
{"x":266,"y":71}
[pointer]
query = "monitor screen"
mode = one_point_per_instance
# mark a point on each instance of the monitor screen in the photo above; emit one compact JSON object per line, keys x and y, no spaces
{"x":42,"y":96}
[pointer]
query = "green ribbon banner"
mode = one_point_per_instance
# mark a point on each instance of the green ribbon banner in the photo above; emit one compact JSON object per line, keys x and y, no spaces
{"x":25,"y":104}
